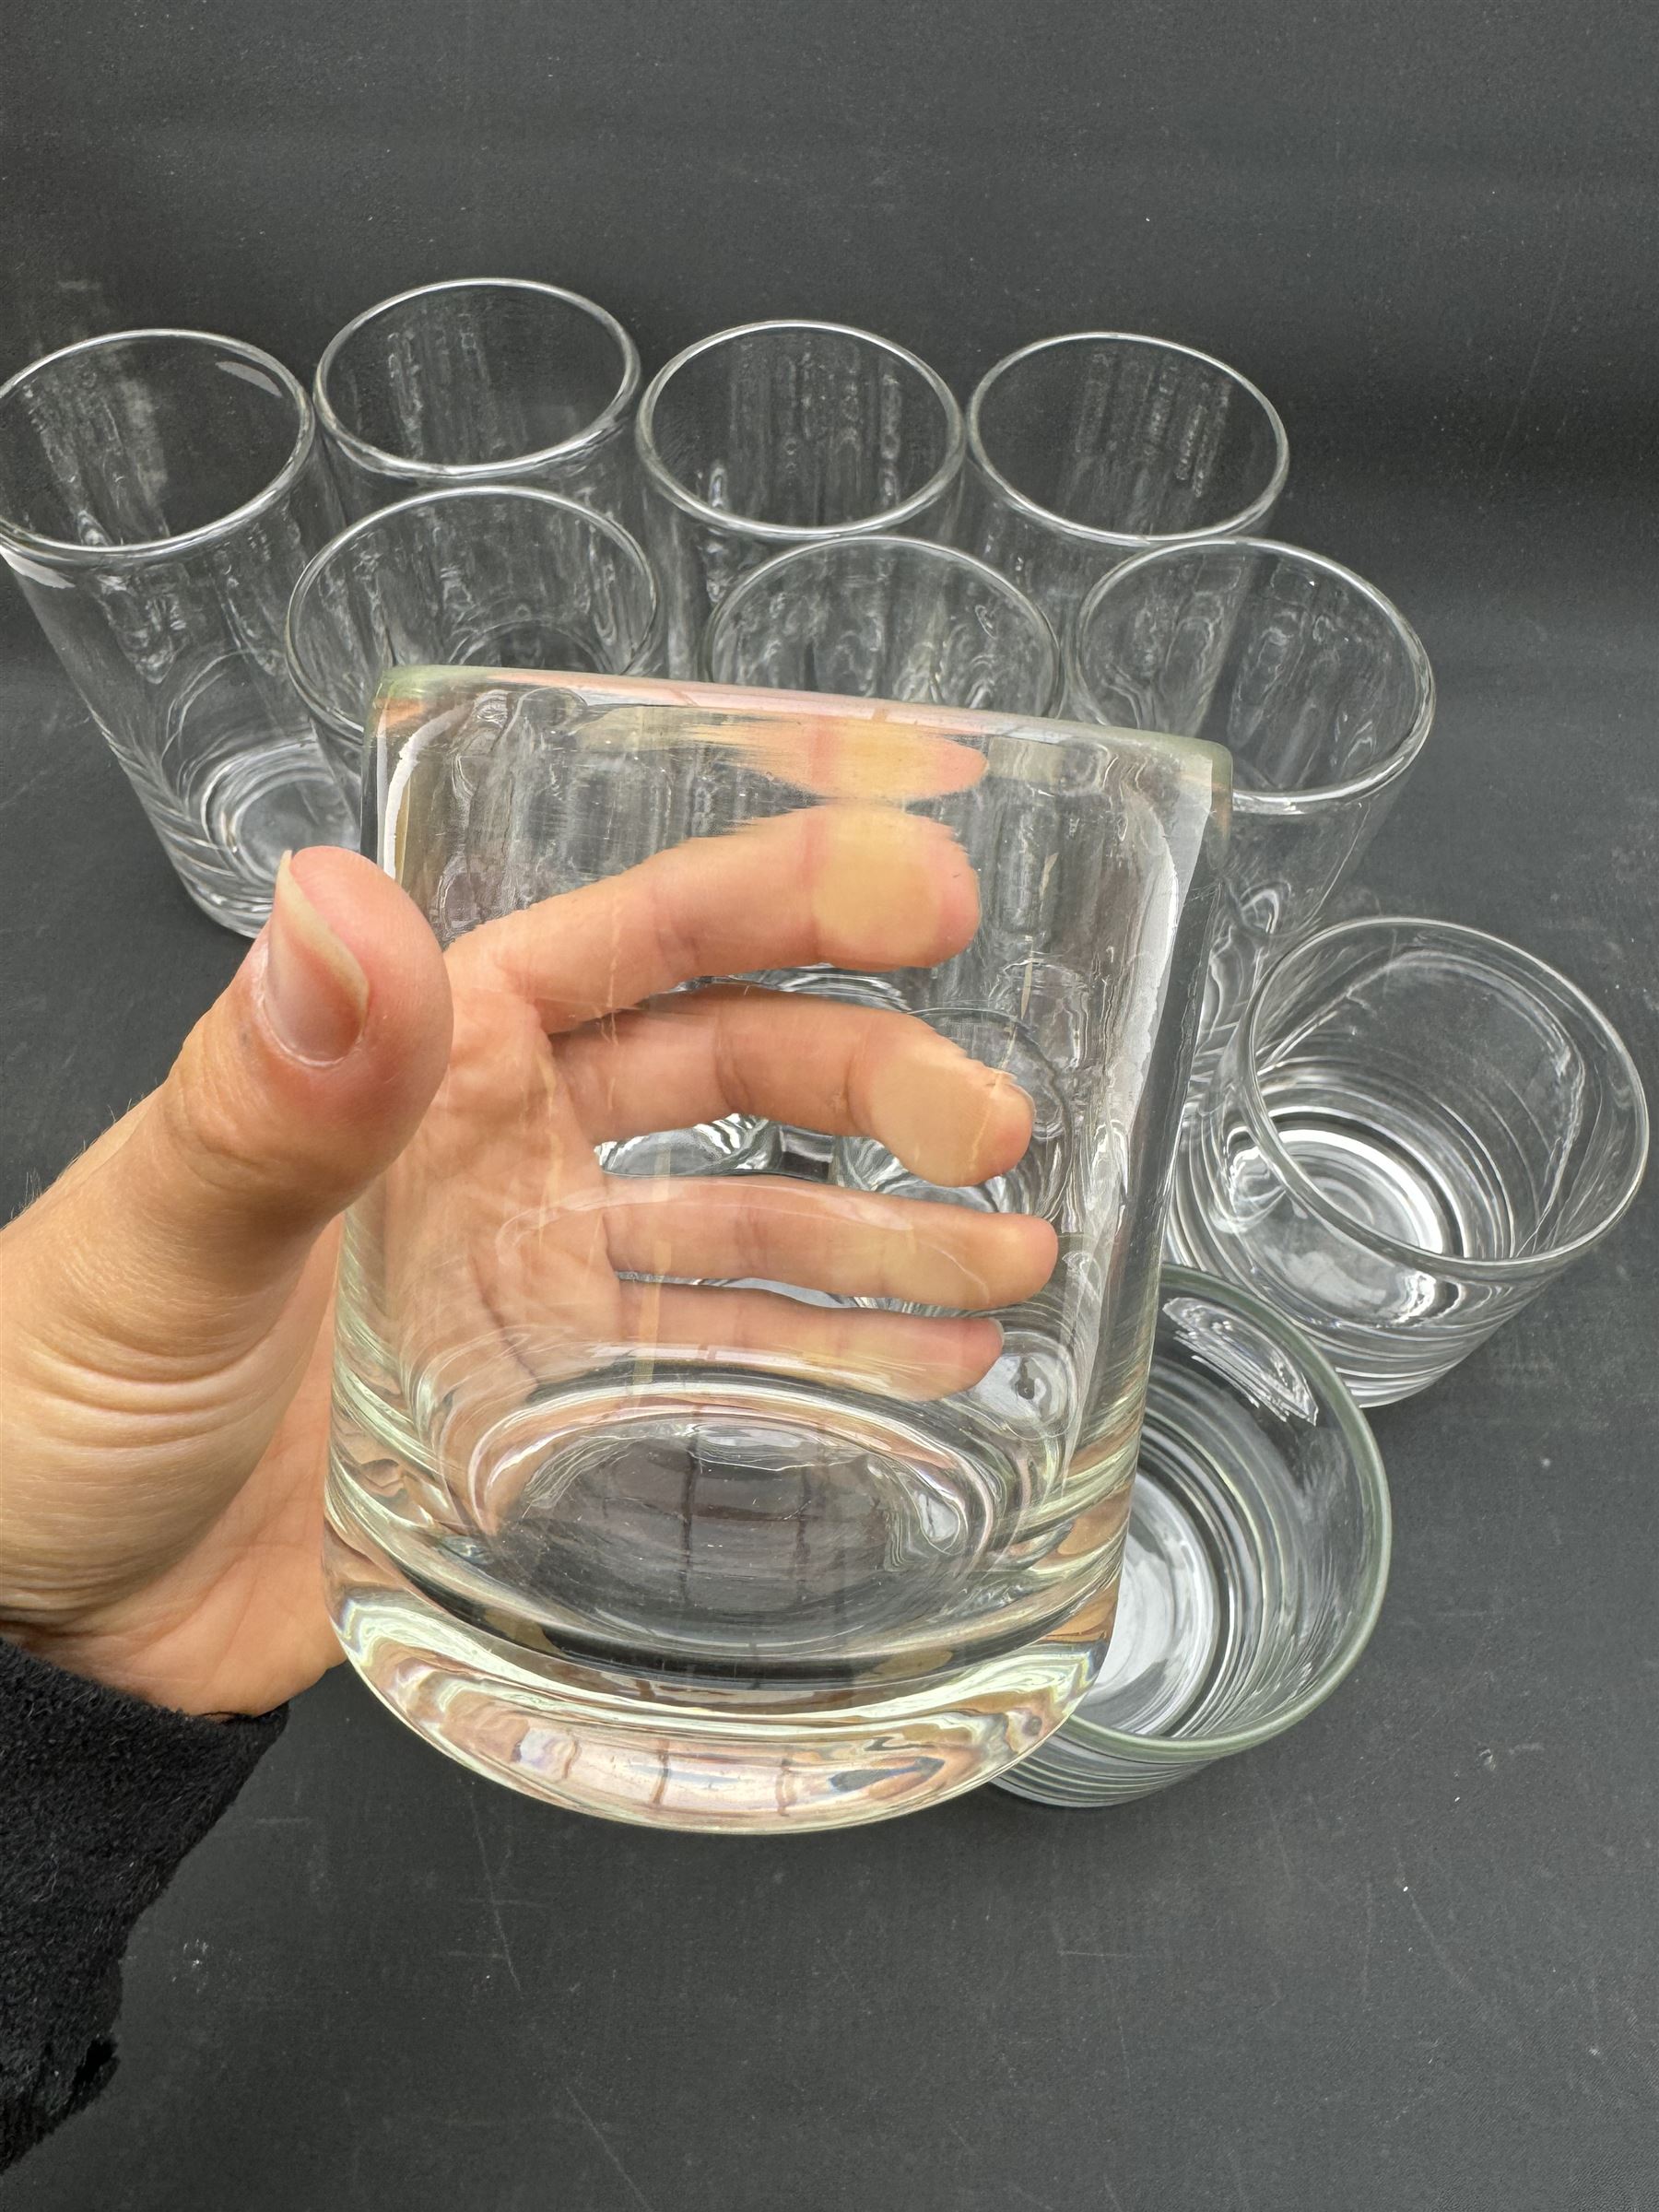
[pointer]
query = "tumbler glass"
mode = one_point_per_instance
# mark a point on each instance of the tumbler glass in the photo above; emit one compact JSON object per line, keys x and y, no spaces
{"x":485,"y":380}
{"x":1413,"y":1129}
{"x":1316,"y":685}
{"x":886,"y":617}
{"x":496,"y":576}
{"x":782,"y":434}
{"x":160,"y":492}
{"x":1088,"y":448}
{"x":1254,"y":1559}
{"x":608,"y":1522}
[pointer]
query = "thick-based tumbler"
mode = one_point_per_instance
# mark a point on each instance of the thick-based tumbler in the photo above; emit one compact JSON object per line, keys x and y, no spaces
{"x":747,"y":1501}
{"x":160,"y":491}
{"x":494,"y":576}
{"x":1313,"y":681}
{"x":1088,"y":448}
{"x":1413,"y":1129}
{"x":782,"y":434}
{"x":1254,"y":1560}
{"x":485,"y":380}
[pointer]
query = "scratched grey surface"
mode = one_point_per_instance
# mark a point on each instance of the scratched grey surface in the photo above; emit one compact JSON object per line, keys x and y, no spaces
{"x":1408,"y":1956}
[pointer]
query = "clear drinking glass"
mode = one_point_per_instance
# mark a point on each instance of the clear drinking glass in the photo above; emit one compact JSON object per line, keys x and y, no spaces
{"x":782,"y":434}
{"x":1316,"y":685}
{"x":495,"y":576}
{"x":881,"y":618}
{"x":485,"y":380}
{"x":1413,"y":1129}
{"x":886,"y":617}
{"x":160,"y":492}
{"x":609,"y":1521}
{"x":1254,"y":1562}
{"x":1088,"y":448}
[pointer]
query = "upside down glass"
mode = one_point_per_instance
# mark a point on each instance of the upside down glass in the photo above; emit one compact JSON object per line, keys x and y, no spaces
{"x":611,"y":1523}
{"x":1413,"y":1131}
{"x":1085,"y":449}
{"x":782,"y":434}
{"x":160,"y":491}
{"x":485,"y":380}
{"x":1313,"y":680}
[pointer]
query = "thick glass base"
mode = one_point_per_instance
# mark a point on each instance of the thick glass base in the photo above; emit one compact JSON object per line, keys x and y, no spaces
{"x":673,"y":1751}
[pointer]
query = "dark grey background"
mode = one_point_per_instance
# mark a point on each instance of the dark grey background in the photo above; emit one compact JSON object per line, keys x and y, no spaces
{"x":1406,"y":1958}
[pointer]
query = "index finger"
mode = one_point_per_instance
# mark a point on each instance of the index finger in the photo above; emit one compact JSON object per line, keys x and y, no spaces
{"x":860,"y":886}
{"x":865,"y":749}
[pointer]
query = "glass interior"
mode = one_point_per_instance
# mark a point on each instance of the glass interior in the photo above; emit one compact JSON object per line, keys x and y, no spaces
{"x":492,"y":576}
{"x":800,"y":427}
{"x":1308,"y":679}
{"x":1128,"y":436}
{"x":886,"y":618}
{"x":141,"y":437}
{"x":1254,"y":1562}
{"x":1444,"y":1092}
{"x":473,"y":374}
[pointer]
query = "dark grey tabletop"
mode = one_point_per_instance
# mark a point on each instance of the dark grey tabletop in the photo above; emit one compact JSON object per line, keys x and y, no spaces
{"x":1409,"y":1955}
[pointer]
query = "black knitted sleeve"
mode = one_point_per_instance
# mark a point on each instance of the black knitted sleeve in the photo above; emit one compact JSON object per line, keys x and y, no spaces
{"x":100,"y":1797}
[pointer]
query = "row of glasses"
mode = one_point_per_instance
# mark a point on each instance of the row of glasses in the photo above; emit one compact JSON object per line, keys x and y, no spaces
{"x":160,"y":493}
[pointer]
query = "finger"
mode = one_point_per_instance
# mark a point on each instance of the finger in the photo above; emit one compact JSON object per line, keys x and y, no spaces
{"x":895,"y":1355}
{"x":849,"y":1243}
{"x":854,"y":886}
{"x":294,"y":1091}
{"x":874,"y":751}
{"x":809,"y":1061}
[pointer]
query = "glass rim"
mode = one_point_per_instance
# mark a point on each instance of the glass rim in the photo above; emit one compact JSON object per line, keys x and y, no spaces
{"x":1254,"y":511}
{"x":1393,"y":763}
{"x":70,"y":552}
{"x":459,"y":474}
{"x":1493,"y":952}
{"x":1365,"y":1458}
{"x":663,"y":480}
{"x":529,"y":495}
{"x":950,"y":555}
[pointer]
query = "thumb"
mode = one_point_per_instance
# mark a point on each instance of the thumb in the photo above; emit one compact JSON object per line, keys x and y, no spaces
{"x":296,"y":1088}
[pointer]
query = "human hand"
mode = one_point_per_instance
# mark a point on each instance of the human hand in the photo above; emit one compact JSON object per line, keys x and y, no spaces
{"x":164,"y":1377}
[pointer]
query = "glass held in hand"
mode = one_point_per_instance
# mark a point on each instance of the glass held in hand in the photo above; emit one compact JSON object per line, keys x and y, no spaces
{"x":160,"y":491}
{"x":740,"y":1500}
{"x":484,"y":380}
{"x":1313,"y":680}
{"x":1085,"y":449}
{"x":781,"y":434}
{"x":1413,"y":1129}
